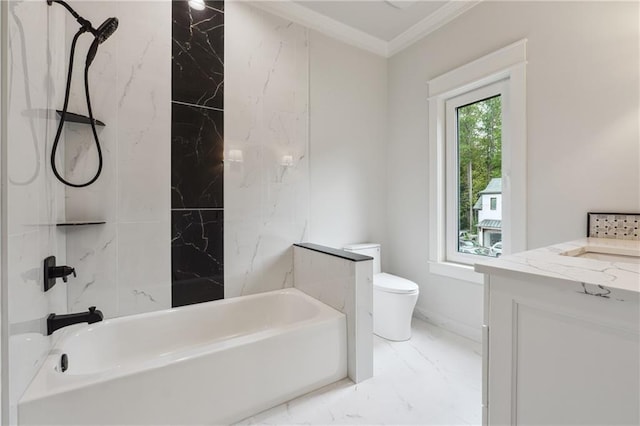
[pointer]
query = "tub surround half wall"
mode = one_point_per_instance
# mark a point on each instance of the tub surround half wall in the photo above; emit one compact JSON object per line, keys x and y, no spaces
{"x":197,"y":153}
{"x":344,"y":281}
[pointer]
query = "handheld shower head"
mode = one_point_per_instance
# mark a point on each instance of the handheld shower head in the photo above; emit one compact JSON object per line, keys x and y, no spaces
{"x":104,"y":31}
{"x":108,"y":27}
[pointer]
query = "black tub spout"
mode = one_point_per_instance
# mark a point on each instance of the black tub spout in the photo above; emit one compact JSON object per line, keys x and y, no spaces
{"x":55,"y":322}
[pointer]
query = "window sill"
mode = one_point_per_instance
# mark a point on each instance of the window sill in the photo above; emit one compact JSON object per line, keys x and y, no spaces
{"x":457,"y":271}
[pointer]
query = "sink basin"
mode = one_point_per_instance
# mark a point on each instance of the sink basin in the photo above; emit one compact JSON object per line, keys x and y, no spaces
{"x":606,"y":254}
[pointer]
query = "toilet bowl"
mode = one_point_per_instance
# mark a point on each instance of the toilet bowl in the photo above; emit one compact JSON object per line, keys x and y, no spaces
{"x":394,"y":298}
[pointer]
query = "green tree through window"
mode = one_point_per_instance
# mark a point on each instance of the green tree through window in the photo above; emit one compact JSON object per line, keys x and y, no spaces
{"x":479,"y":154}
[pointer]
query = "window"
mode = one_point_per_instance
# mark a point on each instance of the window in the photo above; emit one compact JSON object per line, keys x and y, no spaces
{"x":477,"y":147}
{"x":473,"y":170}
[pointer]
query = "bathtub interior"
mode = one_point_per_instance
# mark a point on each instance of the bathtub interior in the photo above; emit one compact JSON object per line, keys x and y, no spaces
{"x":126,"y":342}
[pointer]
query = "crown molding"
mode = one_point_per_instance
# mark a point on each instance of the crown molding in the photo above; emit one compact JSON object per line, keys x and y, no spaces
{"x":289,"y":10}
{"x":437,"y":19}
{"x":299,"y":14}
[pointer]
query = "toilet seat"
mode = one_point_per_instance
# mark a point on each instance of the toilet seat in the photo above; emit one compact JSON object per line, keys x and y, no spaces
{"x":393,"y":284}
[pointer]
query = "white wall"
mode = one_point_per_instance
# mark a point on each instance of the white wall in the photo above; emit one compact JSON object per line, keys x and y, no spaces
{"x":35,"y":67}
{"x":582,"y":117}
{"x":348,"y":133}
{"x":123,"y":266}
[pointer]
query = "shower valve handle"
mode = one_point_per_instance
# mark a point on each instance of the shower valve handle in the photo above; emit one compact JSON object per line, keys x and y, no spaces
{"x":53,"y":272}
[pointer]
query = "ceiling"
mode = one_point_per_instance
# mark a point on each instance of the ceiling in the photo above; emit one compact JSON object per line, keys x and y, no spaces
{"x":375,"y":17}
{"x":384,"y":27}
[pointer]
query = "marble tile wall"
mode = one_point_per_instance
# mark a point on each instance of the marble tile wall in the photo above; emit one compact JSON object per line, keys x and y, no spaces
{"x":197,"y":144}
{"x":266,"y":170}
{"x":34,"y":203}
{"x":123,"y":265}
{"x":347,"y":286}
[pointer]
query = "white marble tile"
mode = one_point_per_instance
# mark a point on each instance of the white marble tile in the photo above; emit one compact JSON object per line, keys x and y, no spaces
{"x":35,"y":61}
{"x":144,"y":298}
{"x":144,"y":254}
{"x":432,"y":379}
{"x":266,"y":196}
{"x":27,"y":115}
{"x":363,"y":321}
{"x":326,"y":278}
{"x":92,"y":251}
{"x":95,"y":202}
{"x":262,"y":259}
{"x":144,"y":111}
{"x":144,"y":267}
{"x":28,"y":300}
{"x":241,"y":244}
{"x":27,"y":351}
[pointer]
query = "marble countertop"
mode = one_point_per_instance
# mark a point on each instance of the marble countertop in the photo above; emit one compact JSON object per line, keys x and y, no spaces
{"x":553,"y":262}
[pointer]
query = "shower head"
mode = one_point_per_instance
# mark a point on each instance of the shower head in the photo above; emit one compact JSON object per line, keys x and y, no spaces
{"x":103,"y":32}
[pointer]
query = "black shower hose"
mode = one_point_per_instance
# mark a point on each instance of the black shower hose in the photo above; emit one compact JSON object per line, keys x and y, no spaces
{"x":63,"y":117}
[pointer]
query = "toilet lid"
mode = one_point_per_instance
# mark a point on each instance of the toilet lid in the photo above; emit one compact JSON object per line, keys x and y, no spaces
{"x":393,"y":284}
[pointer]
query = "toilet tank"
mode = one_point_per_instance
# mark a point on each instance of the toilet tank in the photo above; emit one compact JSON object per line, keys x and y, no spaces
{"x":367,"y":249}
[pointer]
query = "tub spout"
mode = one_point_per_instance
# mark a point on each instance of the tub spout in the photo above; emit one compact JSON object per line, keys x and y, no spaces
{"x":55,"y":322}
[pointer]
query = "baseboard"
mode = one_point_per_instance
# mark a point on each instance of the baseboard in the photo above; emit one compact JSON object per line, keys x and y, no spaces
{"x":464,"y":330}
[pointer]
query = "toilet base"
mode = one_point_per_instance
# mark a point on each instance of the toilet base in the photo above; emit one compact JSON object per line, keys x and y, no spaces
{"x":392,"y":313}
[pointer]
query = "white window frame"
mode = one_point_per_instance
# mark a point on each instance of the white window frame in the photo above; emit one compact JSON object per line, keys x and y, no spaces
{"x":506,"y":66}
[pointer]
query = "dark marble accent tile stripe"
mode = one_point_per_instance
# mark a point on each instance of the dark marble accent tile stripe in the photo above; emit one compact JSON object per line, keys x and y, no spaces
{"x":343,"y":254}
{"x":197,"y":252}
{"x":198,"y":53}
{"x":196,"y":157}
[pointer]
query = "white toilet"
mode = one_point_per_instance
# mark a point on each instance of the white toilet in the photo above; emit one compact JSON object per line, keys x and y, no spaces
{"x":393,"y":297}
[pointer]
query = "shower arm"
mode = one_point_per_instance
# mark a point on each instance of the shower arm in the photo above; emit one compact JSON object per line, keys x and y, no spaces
{"x":85,"y":24}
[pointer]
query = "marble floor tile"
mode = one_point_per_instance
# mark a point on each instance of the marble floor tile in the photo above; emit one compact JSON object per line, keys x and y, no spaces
{"x":432,"y":379}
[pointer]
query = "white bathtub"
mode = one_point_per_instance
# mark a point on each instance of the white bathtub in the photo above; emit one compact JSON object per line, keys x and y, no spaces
{"x":212,"y":363}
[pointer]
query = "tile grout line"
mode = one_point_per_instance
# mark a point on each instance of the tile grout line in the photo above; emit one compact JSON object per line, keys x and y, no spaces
{"x":197,"y":106}
{"x":197,"y":208}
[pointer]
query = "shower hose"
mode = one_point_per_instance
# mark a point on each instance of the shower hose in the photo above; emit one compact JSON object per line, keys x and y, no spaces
{"x":63,"y":117}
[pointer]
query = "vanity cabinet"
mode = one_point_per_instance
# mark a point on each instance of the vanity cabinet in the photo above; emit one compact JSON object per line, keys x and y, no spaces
{"x":559,"y":351}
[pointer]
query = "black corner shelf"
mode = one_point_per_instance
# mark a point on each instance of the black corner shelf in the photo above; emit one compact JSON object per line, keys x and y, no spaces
{"x":79,"y":223}
{"x":77,"y":118}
